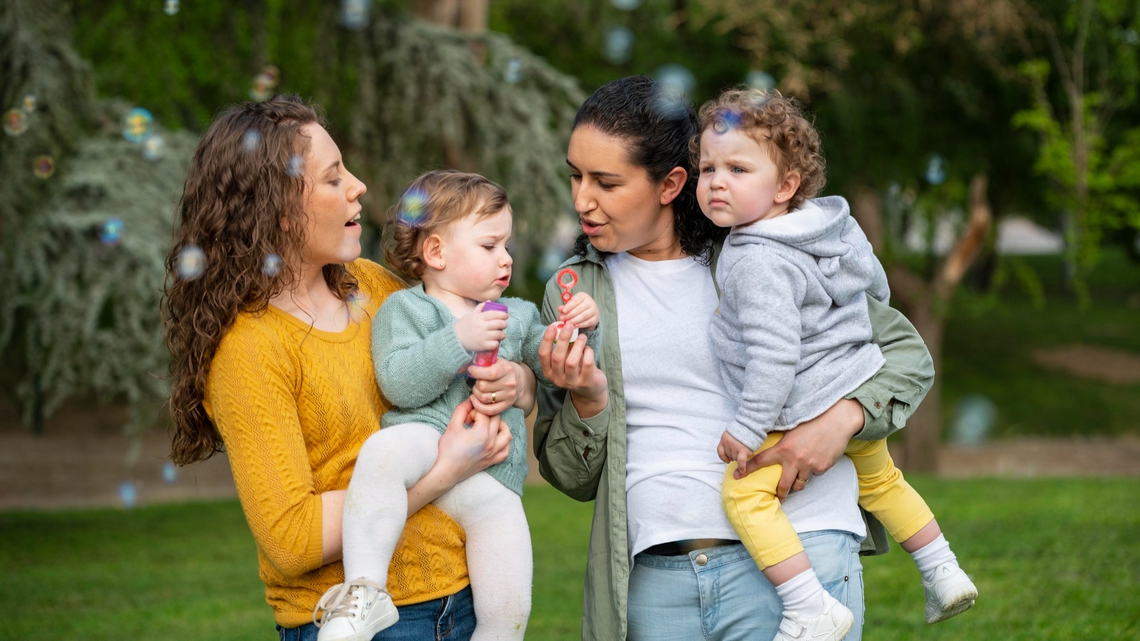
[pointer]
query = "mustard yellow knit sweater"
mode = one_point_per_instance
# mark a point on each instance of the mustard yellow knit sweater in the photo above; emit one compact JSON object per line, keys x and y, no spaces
{"x":293,"y":405}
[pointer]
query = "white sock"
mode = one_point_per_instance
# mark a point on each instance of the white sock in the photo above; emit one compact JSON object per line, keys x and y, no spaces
{"x":930,"y":556}
{"x":802,"y":593}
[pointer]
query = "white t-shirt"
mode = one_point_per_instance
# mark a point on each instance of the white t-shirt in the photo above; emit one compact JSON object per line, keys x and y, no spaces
{"x":677,"y":409}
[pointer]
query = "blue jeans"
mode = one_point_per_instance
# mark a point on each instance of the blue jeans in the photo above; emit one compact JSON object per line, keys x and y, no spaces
{"x":451,"y":618}
{"x":727,"y":598}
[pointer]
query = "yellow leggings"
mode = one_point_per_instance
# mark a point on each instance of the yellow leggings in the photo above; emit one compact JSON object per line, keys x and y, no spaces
{"x":754,"y":511}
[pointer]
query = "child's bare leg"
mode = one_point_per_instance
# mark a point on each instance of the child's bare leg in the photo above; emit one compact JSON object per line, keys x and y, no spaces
{"x":921,"y":538}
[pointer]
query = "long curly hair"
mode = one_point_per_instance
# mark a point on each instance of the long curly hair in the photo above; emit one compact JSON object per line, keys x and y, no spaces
{"x":232,"y":253}
{"x":656,"y":130}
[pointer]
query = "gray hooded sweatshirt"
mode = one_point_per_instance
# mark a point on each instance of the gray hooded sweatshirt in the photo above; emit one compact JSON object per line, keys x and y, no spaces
{"x":792,"y":333}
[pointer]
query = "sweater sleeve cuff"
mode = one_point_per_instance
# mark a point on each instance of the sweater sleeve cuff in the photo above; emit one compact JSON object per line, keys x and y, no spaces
{"x":314,"y":553}
{"x":747,"y":437}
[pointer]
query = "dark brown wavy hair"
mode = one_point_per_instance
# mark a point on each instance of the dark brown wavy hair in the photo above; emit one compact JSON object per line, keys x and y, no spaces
{"x":231,"y":252}
{"x":776,"y":122}
{"x":429,"y":204}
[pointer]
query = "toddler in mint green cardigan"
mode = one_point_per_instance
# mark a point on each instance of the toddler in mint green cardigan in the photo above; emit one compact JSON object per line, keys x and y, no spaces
{"x":451,"y":232}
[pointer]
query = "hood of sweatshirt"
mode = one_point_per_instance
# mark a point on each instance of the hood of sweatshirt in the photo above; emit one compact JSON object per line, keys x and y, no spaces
{"x":824,"y":229}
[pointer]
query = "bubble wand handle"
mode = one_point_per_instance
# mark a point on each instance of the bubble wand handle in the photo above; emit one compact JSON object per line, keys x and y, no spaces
{"x":566,"y":286}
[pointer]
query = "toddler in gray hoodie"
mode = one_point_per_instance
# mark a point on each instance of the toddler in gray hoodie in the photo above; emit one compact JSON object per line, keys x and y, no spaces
{"x":793,"y":337}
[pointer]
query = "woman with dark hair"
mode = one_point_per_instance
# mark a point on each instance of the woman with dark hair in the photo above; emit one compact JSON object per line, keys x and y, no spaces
{"x":267,"y":314}
{"x":641,"y":407}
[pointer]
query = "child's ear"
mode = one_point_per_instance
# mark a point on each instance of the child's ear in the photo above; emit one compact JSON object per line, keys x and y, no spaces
{"x":788,"y":186}
{"x":433,"y":252}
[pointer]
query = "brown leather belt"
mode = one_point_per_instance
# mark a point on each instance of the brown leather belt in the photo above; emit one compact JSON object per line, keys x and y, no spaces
{"x":678,"y":548}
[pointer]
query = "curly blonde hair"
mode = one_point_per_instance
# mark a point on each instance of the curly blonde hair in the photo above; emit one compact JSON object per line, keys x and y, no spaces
{"x":778,"y":124}
{"x":428,"y":205}
{"x":242,"y":184}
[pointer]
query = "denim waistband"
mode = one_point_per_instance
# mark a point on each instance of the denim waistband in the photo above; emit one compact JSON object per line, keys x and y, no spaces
{"x":715,"y":557}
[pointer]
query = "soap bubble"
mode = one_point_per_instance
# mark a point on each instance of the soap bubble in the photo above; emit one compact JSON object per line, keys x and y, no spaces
{"x":15,"y":122}
{"x":29,"y":103}
{"x":761,"y":80}
{"x":1130,"y":36}
{"x":513,"y":72}
{"x":619,"y":44}
{"x":128,"y":494}
{"x":727,"y":121}
{"x":170,"y":7}
{"x":626,"y":5}
{"x":153,"y":147}
{"x":354,"y":14}
{"x":973,"y":420}
{"x":675,"y":84}
{"x":250,"y":140}
{"x":191,"y":262}
{"x":357,"y":304}
{"x":136,"y":124}
{"x":296,"y":166}
{"x":935,"y":172}
{"x":111,"y":232}
{"x":271,"y":266}
{"x":43,"y":167}
{"x":412,"y":208}
{"x":169,"y":472}
{"x":264,"y":83}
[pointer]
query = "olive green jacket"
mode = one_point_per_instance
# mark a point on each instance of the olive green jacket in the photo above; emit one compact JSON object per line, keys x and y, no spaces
{"x":585,"y":458}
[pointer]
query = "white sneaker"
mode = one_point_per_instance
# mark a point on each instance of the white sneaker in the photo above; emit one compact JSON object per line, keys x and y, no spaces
{"x":354,"y":611}
{"x":950,"y":593}
{"x":832,"y":624}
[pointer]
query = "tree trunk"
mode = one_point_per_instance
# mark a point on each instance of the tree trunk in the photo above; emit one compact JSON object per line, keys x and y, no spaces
{"x":924,"y":428}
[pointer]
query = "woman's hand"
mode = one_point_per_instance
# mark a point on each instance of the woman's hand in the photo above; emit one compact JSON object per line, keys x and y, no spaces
{"x":571,"y":367}
{"x":812,"y":448}
{"x":472,"y":443}
{"x":581,"y":311}
{"x":502,"y":385}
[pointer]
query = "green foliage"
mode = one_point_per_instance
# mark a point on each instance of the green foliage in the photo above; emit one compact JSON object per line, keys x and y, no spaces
{"x":79,"y":316}
{"x":1054,"y":559}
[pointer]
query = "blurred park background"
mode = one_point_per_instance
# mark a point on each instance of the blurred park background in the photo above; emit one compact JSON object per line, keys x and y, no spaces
{"x":989,"y":148}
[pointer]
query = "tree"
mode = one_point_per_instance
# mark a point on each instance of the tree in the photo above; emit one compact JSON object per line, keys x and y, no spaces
{"x":81,"y":252}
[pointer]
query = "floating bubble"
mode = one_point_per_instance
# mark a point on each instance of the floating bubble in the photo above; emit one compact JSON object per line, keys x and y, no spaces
{"x":29,"y":103}
{"x":271,"y":266}
{"x":15,"y":122}
{"x":128,"y":494}
{"x":354,"y":14}
{"x":357,"y":304}
{"x":412,"y":208}
{"x":170,"y":7}
{"x":675,"y":83}
{"x":513,"y":72}
{"x":262,"y":88}
{"x":727,"y":121}
{"x":272,"y":74}
{"x":296,"y":166}
{"x":191,"y":262}
{"x":250,"y":140}
{"x":761,"y":80}
{"x":626,"y":5}
{"x":619,"y":45}
{"x":169,"y":472}
{"x":136,"y":124}
{"x":43,"y":167}
{"x":973,"y":420}
{"x":153,"y":148}
{"x":1130,"y":36}
{"x":111,"y":233}
{"x":935,"y":171}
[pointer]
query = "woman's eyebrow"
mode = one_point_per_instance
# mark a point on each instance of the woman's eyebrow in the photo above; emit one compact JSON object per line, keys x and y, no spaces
{"x":595,"y":174}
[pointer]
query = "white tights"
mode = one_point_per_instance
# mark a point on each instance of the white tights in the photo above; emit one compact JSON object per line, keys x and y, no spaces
{"x":498,"y":538}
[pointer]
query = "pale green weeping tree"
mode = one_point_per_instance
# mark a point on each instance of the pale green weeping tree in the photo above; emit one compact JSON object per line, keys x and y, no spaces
{"x":79,"y":313}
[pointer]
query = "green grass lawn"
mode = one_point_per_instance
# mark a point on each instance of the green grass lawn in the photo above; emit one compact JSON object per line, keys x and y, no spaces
{"x":1054,"y":559}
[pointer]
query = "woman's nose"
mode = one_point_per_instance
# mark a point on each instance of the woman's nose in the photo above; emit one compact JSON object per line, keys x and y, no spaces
{"x":583,"y":201}
{"x":356,"y":187}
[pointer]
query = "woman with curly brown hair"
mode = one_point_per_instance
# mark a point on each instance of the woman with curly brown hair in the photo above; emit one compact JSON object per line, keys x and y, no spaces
{"x":267,"y":315}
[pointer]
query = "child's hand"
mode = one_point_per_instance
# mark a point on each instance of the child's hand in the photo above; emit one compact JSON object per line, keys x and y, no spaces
{"x":481,"y":331}
{"x":731,"y":450}
{"x":581,"y":311}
